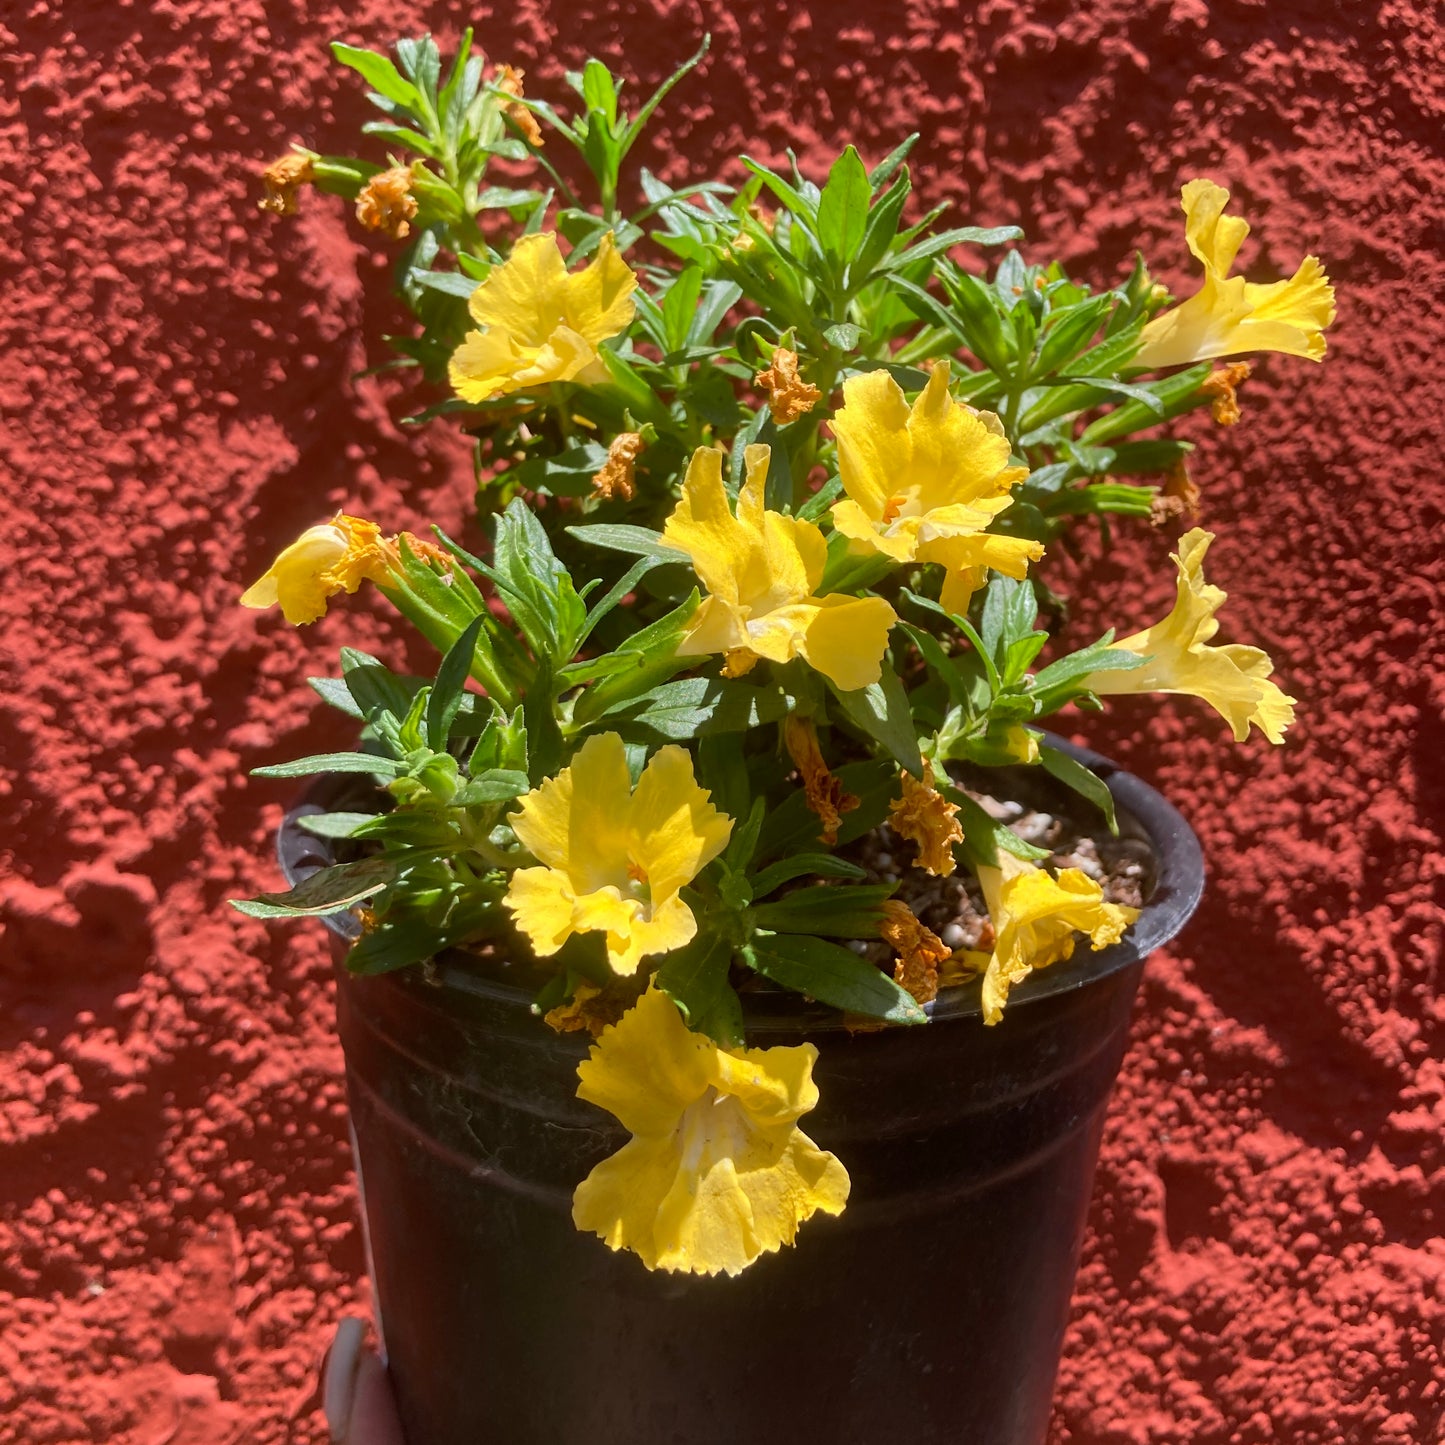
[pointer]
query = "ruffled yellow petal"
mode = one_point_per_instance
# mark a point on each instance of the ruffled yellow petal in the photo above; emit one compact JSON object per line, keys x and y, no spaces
{"x":1234,"y":680}
{"x":845,"y":639}
{"x":675,"y":831}
{"x":1228,"y":315}
{"x":599,"y":297}
{"x":542,"y":324}
{"x":761,"y":568}
{"x":1036,"y":917}
{"x":335,"y":557}
{"x":542,"y":903}
{"x":526,"y":296}
{"x":648,"y":1067}
{"x":615,"y":859}
{"x":925,"y":484}
{"x":718,"y":1172}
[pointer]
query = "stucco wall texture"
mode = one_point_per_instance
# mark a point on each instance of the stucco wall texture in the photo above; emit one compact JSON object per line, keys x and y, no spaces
{"x":178,"y":1230}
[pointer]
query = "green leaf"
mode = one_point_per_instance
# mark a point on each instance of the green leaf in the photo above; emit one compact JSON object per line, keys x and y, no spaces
{"x":882,"y":229}
{"x":882,"y":712}
{"x":679,"y":306}
{"x":333,"y":763}
{"x":838,"y":911}
{"x":786,"y":192}
{"x":946,"y":240}
{"x":639,"y":541}
{"x":641,"y":662}
{"x":1084,"y":782}
{"x":982,"y":328}
{"x":446,"y":693}
{"x":329,"y":891}
{"x":832,"y":975}
{"x":696,"y":979}
{"x":496,"y":785}
{"x":843,"y":210}
{"x":792,"y":827}
{"x":567,"y":474}
{"x":333,"y":825}
{"x":686,"y":709}
{"x":803,"y":865}
{"x":887,"y":168}
{"x":1069,"y":331}
{"x":634,"y":129}
{"x":844,"y":335}
{"x":1149,"y":404}
{"x":544,"y":736}
{"x":334,"y":690}
{"x":378,"y":72}
{"x":984,"y":835}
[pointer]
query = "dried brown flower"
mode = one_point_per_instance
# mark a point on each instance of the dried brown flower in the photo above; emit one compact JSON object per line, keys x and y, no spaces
{"x":789,"y":396}
{"x":1178,"y":497}
{"x":825,"y":793}
{"x":1221,"y":386}
{"x":925,"y":817}
{"x":617,"y":475}
{"x":592,"y":1008}
{"x":919,"y":950}
{"x":283,"y":179}
{"x":509,"y":78}
{"x":386,"y":203}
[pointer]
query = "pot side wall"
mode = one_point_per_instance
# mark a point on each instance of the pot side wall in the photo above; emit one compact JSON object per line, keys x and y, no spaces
{"x":177,"y":1219}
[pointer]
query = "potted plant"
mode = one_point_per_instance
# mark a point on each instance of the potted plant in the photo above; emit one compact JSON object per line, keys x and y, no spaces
{"x":733,"y":978}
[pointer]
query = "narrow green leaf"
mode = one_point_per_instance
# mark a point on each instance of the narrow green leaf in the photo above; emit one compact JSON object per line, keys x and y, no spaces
{"x":333,"y":763}
{"x":804,"y":865}
{"x":835,"y":910}
{"x":446,"y":693}
{"x":333,"y":825}
{"x":378,"y":72}
{"x":696,"y":979}
{"x":640,"y":541}
{"x":329,"y":891}
{"x":496,"y":785}
{"x":843,"y":209}
{"x":882,"y":712}
{"x":832,"y":975}
{"x":1084,"y":782}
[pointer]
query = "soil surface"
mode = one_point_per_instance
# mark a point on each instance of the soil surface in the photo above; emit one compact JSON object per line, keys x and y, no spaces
{"x":178,"y":1235}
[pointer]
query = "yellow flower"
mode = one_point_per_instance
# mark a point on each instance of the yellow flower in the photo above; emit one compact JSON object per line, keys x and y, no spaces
{"x":542,"y":324}
{"x":334,"y":557}
{"x":717,"y":1171}
{"x":924,"y":484}
{"x":1228,"y":314}
{"x":760,"y":569}
{"x":1233,"y":680}
{"x":614,"y":859}
{"x":1035,"y":918}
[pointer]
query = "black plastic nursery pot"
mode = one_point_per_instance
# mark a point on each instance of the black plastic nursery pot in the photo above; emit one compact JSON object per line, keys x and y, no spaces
{"x":931,"y":1312}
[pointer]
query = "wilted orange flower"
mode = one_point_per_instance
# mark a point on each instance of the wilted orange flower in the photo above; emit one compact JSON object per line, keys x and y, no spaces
{"x":1178,"y":497}
{"x":919,"y":950}
{"x":509,"y":78}
{"x":1221,"y":386}
{"x":386,"y":203}
{"x":925,"y":817}
{"x":283,"y":178}
{"x":825,"y":793}
{"x":591,"y":1008}
{"x":617,"y":475}
{"x":789,"y":396}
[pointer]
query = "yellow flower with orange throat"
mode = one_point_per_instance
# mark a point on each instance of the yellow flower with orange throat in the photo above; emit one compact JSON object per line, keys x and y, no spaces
{"x":924,"y":483}
{"x":542,"y":323}
{"x":717,"y":1171}
{"x":613,"y":858}
{"x":337,"y":556}
{"x":1233,"y":679}
{"x":762,"y":570}
{"x":1036,"y":918}
{"x":1229,"y":315}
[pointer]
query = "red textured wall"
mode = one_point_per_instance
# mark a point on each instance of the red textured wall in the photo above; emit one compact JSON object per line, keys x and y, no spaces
{"x":177,"y":1222}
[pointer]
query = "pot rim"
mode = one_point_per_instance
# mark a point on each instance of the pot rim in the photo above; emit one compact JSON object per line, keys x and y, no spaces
{"x":1178,"y":887}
